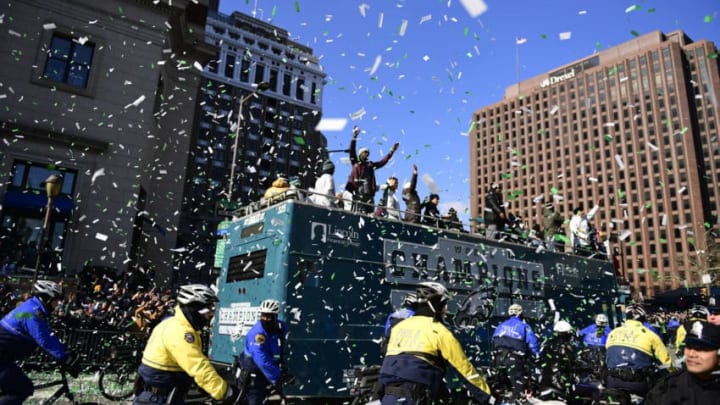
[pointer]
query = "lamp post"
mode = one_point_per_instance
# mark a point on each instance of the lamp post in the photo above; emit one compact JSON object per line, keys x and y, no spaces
{"x":53,"y":186}
{"x":260,"y":87}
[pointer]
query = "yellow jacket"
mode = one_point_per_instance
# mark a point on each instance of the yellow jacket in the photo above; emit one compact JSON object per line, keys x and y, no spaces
{"x":175,"y":346}
{"x":632,"y":345}
{"x":428,"y":340}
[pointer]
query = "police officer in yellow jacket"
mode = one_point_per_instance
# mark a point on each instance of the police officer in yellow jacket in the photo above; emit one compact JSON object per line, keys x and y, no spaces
{"x":173,"y":354}
{"x":635,"y":355}
{"x":419,"y":349}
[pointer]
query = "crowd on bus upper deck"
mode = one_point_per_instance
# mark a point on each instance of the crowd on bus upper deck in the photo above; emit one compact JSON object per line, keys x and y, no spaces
{"x":554,"y":232}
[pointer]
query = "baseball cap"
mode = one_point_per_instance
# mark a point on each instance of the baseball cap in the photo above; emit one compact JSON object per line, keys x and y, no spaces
{"x":703,"y":335}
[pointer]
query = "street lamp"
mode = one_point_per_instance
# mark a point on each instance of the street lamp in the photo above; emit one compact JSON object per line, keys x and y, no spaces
{"x":260,"y":87}
{"x":53,"y":186}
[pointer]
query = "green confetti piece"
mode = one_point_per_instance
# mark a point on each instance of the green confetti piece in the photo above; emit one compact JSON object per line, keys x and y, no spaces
{"x":466,"y":31}
{"x":608,"y":138}
{"x":648,"y":205}
{"x":635,"y":33}
{"x":713,"y":55}
{"x":620,"y":194}
{"x":663,"y":240}
{"x":297,"y":6}
{"x":708,"y":19}
{"x":598,"y":45}
{"x":543,"y":36}
{"x":651,"y":10}
{"x":299,"y":140}
{"x":274,"y":11}
{"x":554,"y":190}
{"x":685,"y":129}
{"x":332,"y":277}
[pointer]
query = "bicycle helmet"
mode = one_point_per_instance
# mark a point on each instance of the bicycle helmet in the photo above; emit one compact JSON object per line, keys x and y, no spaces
{"x":409,"y":300}
{"x":562,"y":327}
{"x":431,"y":291}
{"x":515,"y":309}
{"x":270,"y":307}
{"x":196,"y":294}
{"x":699,"y":311}
{"x":48,"y":288}
{"x":601,"y":320}
{"x":635,"y":312}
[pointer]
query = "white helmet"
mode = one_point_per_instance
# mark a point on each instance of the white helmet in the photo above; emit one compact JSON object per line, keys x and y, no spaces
{"x":196,"y":294}
{"x":431,"y":291}
{"x":270,"y":307}
{"x":562,"y":327}
{"x":601,"y":320}
{"x":515,"y":309}
{"x":47,"y":287}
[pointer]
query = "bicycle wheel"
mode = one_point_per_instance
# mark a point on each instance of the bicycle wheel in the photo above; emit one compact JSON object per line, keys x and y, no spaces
{"x":117,"y":381}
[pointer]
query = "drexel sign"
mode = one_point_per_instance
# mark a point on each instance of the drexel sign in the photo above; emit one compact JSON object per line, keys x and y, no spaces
{"x":558,"y":78}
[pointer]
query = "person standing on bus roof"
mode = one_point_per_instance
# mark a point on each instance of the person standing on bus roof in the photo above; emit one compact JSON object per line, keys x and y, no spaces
{"x":431,"y":213}
{"x":494,"y":215}
{"x":389,"y":206}
{"x":262,"y":359}
{"x":412,"y":199}
{"x":323,"y":193}
{"x":418,"y":351}
{"x":173,"y":354}
{"x":361,"y":182}
{"x":513,"y":343}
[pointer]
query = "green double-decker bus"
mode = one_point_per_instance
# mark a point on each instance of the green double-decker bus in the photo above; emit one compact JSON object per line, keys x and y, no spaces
{"x":339,"y":274}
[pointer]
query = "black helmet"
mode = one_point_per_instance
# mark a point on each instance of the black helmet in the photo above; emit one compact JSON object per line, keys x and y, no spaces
{"x":635,"y":312}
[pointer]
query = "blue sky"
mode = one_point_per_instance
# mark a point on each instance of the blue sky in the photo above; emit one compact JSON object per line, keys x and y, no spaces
{"x":414,"y":72}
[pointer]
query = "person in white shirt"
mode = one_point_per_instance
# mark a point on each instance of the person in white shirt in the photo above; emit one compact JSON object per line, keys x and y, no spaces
{"x":323,"y":193}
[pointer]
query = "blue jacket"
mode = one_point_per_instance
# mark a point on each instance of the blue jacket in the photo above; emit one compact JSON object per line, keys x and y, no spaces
{"x":516,"y":335}
{"x":395,"y":317}
{"x":263,"y":351}
{"x":590,"y":338}
{"x":25,"y":328}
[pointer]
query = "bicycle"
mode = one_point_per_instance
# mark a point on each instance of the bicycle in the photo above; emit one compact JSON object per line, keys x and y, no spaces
{"x":117,"y":379}
{"x":63,"y":391}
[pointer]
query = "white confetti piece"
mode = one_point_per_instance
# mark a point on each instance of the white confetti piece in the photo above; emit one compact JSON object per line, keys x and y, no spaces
{"x":520,"y":41}
{"x":682,"y":190}
{"x":331,"y":124}
{"x":101,"y":236}
{"x":99,"y":172}
{"x":403,"y":27}
{"x":136,"y":102}
{"x":474,"y":7}
{"x":593,"y":179}
{"x":624,"y":235}
{"x":425,"y":18}
{"x":82,"y":40}
{"x":358,"y":114}
{"x":15,"y":33}
{"x":381,"y":18}
{"x":565,"y":35}
{"x":551,"y":304}
{"x":582,"y":12}
{"x":363,"y":8}
{"x":49,"y":26}
{"x":198,"y":66}
{"x":426,"y":58}
{"x":92,"y":22}
{"x":632,"y":8}
{"x":554,"y":110}
{"x":663,"y":221}
{"x":653,"y":147}
{"x":620,"y":163}
{"x":376,"y":65}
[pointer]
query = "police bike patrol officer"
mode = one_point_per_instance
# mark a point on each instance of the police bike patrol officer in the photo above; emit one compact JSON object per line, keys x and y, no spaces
{"x":21,"y":331}
{"x":633,"y":354}
{"x":173,"y":354}
{"x":696,"y":313}
{"x":262,"y":360}
{"x":514,"y":343}
{"x":418,"y":352}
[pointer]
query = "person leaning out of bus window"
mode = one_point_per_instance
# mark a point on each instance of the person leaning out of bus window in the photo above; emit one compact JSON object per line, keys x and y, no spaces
{"x":262,"y":360}
{"x":699,"y":382}
{"x":173,"y":355}
{"x":22,"y":330}
{"x":418,"y":351}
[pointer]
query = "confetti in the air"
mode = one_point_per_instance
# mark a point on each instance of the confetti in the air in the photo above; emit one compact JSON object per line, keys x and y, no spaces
{"x":565,"y":35}
{"x":101,"y":236}
{"x":403,"y":27}
{"x":99,"y":172}
{"x":376,"y":65}
{"x":474,"y":7}
{"x":331,"y":124}
{"x":49,"y":26}
{"x":136,"y":102}
{"x":620,"y":163}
